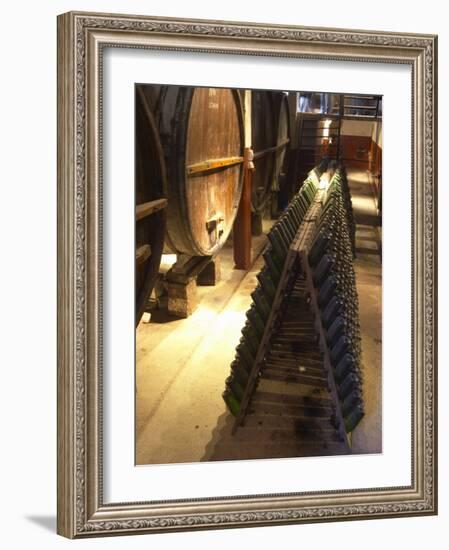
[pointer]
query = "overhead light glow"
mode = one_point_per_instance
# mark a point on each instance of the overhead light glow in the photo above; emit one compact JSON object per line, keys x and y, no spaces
{"x":327,"y":123}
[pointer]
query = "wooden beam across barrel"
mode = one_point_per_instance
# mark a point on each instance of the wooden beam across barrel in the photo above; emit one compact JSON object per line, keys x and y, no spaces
{"x":201,"y":168}
{"x":276,"y":148}
{"x":150,"y":207}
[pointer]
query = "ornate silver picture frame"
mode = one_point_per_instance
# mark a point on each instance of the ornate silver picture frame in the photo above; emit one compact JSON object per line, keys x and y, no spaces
{"x":82,"y":39}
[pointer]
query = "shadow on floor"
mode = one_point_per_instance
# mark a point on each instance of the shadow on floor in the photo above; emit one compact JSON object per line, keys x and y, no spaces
{"x":161,"y":316}
{"x":46,"y":522}
{"x":373,"y":220}
{"x":256,"y":442}
{"x":364,"y":250}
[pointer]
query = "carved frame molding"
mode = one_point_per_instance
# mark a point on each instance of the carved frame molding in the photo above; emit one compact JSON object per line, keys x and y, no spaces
{"x":81,"y":39}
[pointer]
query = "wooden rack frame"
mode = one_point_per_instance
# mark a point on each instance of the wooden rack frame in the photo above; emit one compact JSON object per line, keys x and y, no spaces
{"x":298,"y":250}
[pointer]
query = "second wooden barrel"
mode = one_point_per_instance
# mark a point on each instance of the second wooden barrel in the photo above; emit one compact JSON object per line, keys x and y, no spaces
{"x":283,"y":134}
{"x":270,"y":137}
{"x":201,"y":131}
{"x":151,"y":202}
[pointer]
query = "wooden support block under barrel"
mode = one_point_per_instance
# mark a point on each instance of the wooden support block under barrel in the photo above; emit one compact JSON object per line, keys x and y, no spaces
{"x":181,"y":280}
{"x":211,"y":274}
{"x":182,"y":298}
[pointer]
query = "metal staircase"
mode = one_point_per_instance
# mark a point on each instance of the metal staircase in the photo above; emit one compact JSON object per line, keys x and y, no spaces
{"x":319,"y":126}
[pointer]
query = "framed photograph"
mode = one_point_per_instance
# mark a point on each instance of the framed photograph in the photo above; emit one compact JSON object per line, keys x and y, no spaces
{"x":246,"y":274}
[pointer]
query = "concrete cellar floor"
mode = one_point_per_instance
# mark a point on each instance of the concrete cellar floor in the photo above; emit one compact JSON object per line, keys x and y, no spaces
{"x":367,"y":437}
{"x":182,"y":364}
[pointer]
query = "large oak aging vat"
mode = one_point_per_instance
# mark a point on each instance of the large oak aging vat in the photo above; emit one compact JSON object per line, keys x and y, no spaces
{"x":283,"y":134}
{"x":151,"y":202}
{"x":201,"y":131}
{"x":270,"y":137}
